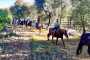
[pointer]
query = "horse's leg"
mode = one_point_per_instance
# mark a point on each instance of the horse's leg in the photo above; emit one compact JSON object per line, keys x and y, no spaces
{"x":79,"y":49}
{"x":48,"y":35}
{"x":63,"y":42}
{"x":52,"y":38}
{"x":40,"y":31}
{"x":57,"y":41}
{"x":89,"y":50}
{"x":66,"y":35}
{"x":29,"y":27}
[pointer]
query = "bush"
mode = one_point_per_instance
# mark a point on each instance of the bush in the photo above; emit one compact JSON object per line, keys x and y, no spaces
{"x":4,"y":19}
{"x":1,"y":26}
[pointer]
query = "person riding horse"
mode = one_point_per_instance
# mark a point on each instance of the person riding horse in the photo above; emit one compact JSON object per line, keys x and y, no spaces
{"x":56,"y":31}
{"x":37,"y":24}
{"x":56,"y":26}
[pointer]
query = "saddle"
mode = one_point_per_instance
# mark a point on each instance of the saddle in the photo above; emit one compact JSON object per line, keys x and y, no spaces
{"x":55,"y":30}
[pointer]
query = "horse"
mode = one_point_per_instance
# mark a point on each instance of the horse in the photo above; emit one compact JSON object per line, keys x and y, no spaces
{"x":22,"y":22}
{"x":58,"y":34}
{"x":38,"y":26}
{"x":84,"y":40}
{"x":29,"y":23}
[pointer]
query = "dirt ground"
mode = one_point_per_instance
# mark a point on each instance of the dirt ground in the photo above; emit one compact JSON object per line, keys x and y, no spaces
{"x":27,"y":48}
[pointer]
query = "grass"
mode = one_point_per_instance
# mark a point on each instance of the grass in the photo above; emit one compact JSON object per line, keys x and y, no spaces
{"x":43,"y":36}
{"x":47,"y":46}
{"x":44,"y":47}
{"x":40,"y":43}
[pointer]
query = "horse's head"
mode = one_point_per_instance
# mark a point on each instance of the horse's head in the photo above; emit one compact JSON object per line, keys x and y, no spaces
{"x":64,"y":32}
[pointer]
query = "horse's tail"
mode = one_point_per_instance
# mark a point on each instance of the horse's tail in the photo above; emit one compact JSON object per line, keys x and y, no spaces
{"x":66,"y":34}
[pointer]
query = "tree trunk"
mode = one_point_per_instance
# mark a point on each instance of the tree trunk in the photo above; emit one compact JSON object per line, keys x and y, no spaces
{"x":83,"y":25}
{"x":49,"y":18}
{"x":61,"y":12}
{"x":49,"y":21}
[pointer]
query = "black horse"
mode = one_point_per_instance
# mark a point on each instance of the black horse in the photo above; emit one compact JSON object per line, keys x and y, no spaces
{"x":19,"y":21}
{"x":85,"y":40}
{"x":29,"y":23}
{"x":25,"y":22}
{"x":58,"y":34}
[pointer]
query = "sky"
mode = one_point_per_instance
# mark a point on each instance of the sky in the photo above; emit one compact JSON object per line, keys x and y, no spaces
{"x":8,"y":3}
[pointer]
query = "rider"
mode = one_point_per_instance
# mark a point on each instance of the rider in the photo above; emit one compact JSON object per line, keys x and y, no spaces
{"x":56,"y":26}
{"x":37,"y":22}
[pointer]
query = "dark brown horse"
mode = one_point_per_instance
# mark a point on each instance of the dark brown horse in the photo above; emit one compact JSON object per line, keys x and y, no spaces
{"x":58,"y":34}
{"x":39,"y":27}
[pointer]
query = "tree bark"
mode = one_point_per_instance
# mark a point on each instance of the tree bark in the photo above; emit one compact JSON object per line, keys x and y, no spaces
{"x":49,"y":18}
{"x":83,"y":25}
{"x":61,"y":12}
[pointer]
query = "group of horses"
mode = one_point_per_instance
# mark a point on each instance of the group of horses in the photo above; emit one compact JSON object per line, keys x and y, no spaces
{"x":59,"y":34}
{"x":84,"y":39}
{"x":26,"y":22}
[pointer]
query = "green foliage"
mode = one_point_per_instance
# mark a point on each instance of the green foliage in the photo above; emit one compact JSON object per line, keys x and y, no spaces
{"x":1,"y":26}
{"x":20,"y":11}
{"x":56,"y":3}
{"x":4,"y":19}
{"x":59,"y":8}
{"x":82,"y":10}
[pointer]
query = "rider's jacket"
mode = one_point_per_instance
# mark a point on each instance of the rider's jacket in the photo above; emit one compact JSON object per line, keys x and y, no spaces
{"x":55,"y":24}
